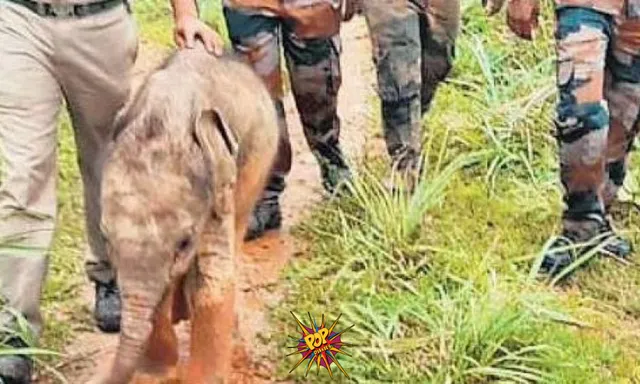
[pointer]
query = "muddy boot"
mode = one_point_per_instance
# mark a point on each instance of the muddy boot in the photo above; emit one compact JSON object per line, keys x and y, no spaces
{"x":107,"y":307}
{"x":405,"y":172}
{"x":578,"y":238}
{"x":15,"y":369}
{"x":266,"y":216}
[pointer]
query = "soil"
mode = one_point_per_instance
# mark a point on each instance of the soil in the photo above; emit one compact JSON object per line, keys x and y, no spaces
{"x":262,"y":260}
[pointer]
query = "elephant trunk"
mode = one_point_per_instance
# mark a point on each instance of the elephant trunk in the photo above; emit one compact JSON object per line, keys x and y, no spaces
{"x":137,"y":325}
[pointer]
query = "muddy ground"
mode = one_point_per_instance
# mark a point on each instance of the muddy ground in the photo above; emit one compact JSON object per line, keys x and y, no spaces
{"x":262,"y":260}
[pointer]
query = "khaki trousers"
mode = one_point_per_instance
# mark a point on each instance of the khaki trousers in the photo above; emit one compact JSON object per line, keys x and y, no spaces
{"x":43,"y":61}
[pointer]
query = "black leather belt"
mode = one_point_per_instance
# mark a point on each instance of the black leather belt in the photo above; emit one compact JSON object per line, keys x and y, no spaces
{"x":68,"y":10}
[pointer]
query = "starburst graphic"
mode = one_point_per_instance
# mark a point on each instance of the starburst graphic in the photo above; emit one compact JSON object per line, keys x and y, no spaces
{"x":319,"y":345}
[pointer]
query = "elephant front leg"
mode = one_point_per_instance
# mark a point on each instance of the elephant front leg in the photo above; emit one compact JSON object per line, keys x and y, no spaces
{"x":213,"y":315}
{"x":161,"y":355}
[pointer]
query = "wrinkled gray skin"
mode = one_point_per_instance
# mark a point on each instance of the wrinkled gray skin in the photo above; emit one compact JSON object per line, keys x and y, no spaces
{"x":193,"y":149}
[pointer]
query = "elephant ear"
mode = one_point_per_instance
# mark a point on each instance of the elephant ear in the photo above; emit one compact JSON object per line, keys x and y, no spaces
{"x":219,"y":145}
{"x":213,"y":134}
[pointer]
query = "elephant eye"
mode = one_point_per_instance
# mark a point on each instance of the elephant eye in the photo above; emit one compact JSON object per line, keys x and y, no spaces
{"x":184,"y":244}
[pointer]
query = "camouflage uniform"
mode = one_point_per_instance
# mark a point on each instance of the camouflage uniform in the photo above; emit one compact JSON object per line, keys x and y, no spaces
{"x":598,"y":77}
{"x":413,"y":43}
{"x":308,"y":31}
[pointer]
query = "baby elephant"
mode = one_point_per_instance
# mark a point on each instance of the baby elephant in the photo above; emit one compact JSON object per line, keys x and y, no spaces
{"x":192,"y":152}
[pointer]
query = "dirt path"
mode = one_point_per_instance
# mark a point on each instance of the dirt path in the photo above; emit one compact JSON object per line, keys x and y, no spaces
{"x":264,"y":259}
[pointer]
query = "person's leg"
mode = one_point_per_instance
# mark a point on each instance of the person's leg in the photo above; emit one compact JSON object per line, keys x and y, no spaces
{"x":395,"y":33}
{"x":439,"y":30}
{"x":583,"y":39}
{"x":314,"y":70}
{"x":29,"y":103}
{"x":622,"y":92}
{"x":94,"y":59}
{"x":257,"y":39}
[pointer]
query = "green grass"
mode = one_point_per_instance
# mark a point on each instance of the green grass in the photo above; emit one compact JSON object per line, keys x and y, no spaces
{"x":443,"y":288}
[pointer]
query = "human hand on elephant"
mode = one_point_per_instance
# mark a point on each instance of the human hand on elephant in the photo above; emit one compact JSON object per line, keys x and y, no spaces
{"x":189,"y":28}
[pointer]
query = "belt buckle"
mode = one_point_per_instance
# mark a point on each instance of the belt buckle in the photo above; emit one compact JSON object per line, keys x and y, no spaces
{"x":63,"y":9}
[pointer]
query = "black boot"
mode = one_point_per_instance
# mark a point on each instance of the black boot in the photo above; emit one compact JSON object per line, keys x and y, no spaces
{"x":334,"y":171}
{"x":266,"y":216}
{"x":618,"y":247}
{"x":107,"y":307}
{"x":565,"y":250}
{"x":335,"y":178}
{"x":15,"y":369}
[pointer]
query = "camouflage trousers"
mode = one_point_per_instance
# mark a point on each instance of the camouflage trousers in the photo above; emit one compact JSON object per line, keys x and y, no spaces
{"x":413,"y":49}
{"x":598,"y":77}
{"x":315,"y":77}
